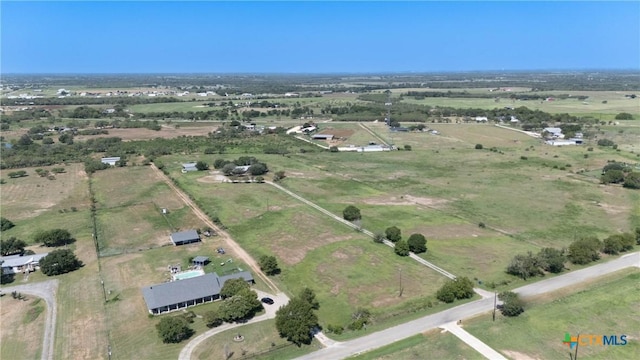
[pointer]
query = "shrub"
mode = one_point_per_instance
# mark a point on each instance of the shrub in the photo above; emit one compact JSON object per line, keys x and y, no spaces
{"x":5,"y":224}
{"x":585,"y":250}
{"x":393,"y":234}
{"x":173,"y":329}
{"x":351,"y":213}
{"x":460,"y":288}
{"x":417,"y":243}
{"x":512,"y":305}
{"x":402,"y":248}
{"x":378,"y":238}
{"x":605,"y":142}
{"x":479,"y":146}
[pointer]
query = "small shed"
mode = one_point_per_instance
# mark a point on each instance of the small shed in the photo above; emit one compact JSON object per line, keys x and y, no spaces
{"x":200,"y":260}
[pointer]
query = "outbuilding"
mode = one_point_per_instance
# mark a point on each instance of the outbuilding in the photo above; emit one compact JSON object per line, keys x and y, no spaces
{"x":185,"y":237}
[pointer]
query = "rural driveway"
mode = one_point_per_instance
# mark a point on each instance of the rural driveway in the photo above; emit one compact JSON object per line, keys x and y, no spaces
{"x":280,"y":299}
{"x":239,"y":251}
{"x":47,"y":291}
{"x":403,"y":331}
{"x":472,"y":341}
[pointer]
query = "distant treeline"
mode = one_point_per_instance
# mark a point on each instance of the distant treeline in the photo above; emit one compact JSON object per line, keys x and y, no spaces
{"x":419,"y":95}
{"x":90,"y":100}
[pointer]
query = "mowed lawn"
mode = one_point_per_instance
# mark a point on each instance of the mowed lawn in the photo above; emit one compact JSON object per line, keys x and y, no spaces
{"x":608,"y":307}
{"x":22,"y":327}
{"x":132,"y":330}
{"x":261,"y":341}
{"x":26,"y":197}
{"x":430,"y":345}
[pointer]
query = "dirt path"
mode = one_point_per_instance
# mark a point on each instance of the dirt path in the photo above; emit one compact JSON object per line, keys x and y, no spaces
{"x":47,"y":291}
{"x":239,"y":251}
{"x":373,"y":133}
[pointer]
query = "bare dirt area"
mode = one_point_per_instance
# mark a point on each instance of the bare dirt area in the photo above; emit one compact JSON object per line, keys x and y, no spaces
{"x":406,"y":200}
{"x":167,"y":132}
{"x":292,"y":255}
{"x":20,"y":318}
{"x":337,"y":133}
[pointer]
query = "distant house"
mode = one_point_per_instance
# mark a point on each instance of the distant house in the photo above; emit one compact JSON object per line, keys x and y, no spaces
{"x":185,"y":237}
{"x":189,"y":167}
{"x":322,"y":137}
{"x":176,"y":295}
{"x":16,"y":264}
{"x":553,"y":132}
{"x":481,"y":119}
{"x":400,"y":129}
{"x":110,"y":160}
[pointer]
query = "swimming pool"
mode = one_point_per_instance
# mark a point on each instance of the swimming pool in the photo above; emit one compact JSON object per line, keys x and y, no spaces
{"x":187,"y":274}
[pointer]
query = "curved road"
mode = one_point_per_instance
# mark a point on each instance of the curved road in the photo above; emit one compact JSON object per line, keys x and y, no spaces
{"x":279,"y":299}
{"x":47,"y":291}
{"x":385,"y":337}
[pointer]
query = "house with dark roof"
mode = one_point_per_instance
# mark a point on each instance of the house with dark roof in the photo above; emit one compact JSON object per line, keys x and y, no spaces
{"x":180,"y":294}
{"x":185,"y":237}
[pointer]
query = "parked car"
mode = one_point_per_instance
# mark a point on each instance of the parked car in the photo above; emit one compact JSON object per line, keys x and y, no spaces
{"x":267,"y":300}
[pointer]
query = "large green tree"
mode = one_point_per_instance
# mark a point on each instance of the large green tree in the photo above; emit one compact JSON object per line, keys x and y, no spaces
{"x":460,"y":288}
{"x":393,"y":234}
{"x":296,"y":320}
{"x":511,"y":304}
{"x":243,"y":305}
{"x":173,"y":329}
{"x":54,"y":237}
{"x":524,"y":266}
{"x":551,"y":260}
{"x":12,"y":246}
{"x":269,"y":264}
{"x":309,"y":296}
{"x":417,"y":243}
{"x":351,"y":213}
{"x":232,"y":287}
{"x":402,"y":248}
{"x":59,"y":261}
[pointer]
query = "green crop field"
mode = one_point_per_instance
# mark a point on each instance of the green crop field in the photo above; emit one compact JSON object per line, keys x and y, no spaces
{"x":607,"y":308}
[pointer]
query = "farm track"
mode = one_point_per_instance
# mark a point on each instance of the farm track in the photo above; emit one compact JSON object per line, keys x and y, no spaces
{"x":360,"y":229}
{"x":239,"y":251}
{"x":373,"y":133}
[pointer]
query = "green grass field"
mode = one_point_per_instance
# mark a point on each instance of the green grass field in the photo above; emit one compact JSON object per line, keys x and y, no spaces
{"x":261,"y":341}
{"x":607,"y":307}
{"x":432,"y":345}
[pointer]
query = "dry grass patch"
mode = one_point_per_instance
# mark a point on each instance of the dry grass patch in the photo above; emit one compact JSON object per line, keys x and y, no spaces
{"x":167,"y":132}
{"x":26,"y":197}
{"x":21,"y":327}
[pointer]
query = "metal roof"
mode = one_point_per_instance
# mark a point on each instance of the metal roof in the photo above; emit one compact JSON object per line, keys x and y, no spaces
{"x":179,"y":291}
{"x":18,"y":260}
{"x":185,"y":236}
{"x":200,"y":259}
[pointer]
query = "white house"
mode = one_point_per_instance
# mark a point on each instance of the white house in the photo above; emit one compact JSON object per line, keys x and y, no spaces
{"x":16,"y":264}
{"x":554,"y":132}
{"x":110,"y":160}
{"x":189,"y":167}
{"x":481,"y":119}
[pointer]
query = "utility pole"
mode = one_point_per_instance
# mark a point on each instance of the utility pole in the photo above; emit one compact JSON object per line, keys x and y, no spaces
{"x":495,"y":304}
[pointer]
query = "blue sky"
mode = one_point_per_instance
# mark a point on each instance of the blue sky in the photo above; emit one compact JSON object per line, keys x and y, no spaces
{"x":316,"y":37}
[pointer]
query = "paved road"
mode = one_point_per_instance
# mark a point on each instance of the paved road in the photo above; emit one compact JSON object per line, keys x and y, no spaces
{"x":473,"y":341}
{"x":46,"y":290}
{"x":279,"y":300}
{"x":399,"y":332}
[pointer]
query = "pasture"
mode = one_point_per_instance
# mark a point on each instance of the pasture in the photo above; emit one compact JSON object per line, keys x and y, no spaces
{"x":606,"y":307}
{"x":22,"y":327}
{"x":603,"y":105}
{"x":26,"y":197}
